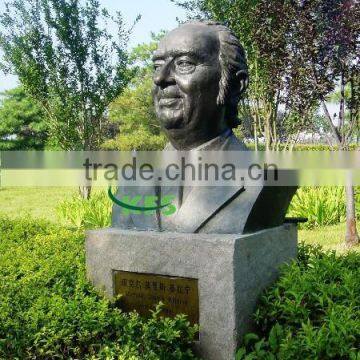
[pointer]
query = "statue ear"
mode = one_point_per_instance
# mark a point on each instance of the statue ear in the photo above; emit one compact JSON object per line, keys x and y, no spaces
{"x":242,"y":77}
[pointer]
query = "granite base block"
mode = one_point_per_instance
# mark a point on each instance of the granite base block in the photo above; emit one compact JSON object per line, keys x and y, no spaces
{"x":232,"y":271}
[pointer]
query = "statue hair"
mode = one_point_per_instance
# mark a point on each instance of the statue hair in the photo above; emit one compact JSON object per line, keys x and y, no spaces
{"x":232,"y":59}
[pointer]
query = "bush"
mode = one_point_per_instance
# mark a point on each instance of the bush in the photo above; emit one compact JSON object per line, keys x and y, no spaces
{"x":87,"y":214}
{"x":321,"y":205}
{"x":140,"y":140}
{"x":303,"y":147}
{"x":48,"y":310}
{"x":313,"y":312}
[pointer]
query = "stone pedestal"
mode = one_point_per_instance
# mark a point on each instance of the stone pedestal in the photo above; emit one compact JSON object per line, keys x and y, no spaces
{"x":232,"y":271}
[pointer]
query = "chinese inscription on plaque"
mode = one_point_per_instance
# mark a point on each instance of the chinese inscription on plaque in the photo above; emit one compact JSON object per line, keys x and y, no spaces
{"x":142,"y":292}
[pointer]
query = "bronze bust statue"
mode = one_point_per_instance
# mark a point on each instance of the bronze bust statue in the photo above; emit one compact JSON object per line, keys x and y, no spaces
{"x":200,"y":73}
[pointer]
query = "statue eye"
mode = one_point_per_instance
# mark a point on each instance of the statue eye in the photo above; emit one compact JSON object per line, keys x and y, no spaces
{"x":158,"y":65}
{"x":184,"y":65}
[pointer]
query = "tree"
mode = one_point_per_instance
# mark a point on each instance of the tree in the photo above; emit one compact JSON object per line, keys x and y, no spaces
{"x":265,"y":106}
{"x":326,"y":36}
{"x":69,"y":62}
{"x":133,"y":110}
{"x":23,"y":124}
{"x":319,"y":46}
{"x":302,"y":51}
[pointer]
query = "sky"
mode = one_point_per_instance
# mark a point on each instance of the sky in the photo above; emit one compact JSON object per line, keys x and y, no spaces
{"x":156,"y":15}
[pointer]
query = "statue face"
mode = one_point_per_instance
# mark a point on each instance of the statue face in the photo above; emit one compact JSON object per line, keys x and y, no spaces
{"x":186,"y":79}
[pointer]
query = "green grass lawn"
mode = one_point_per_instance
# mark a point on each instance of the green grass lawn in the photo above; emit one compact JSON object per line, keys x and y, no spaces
{"x":41,"y":202}
{"x":329,"y":237}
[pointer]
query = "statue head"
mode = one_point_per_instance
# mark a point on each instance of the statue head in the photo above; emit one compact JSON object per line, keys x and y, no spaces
{"x":200,"y":72}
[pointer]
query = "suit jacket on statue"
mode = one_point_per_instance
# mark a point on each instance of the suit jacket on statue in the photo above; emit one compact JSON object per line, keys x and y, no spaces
{"x":210,"y":209}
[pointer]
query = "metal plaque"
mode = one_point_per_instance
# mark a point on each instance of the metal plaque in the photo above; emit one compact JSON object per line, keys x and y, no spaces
{"x":142,"y":292}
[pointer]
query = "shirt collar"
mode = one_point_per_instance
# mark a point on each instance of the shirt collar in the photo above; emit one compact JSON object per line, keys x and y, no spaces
{"x":213,"y":144}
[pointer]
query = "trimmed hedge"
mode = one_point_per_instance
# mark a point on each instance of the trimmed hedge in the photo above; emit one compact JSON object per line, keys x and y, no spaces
{"x":312,"y":312}
{"x":304,"y":147}
{"x":48,"y":310}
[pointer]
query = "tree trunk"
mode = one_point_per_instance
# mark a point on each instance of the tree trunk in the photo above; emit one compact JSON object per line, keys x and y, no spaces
{"x":256,"y":141}
{"x":268,"y":127}
{"x":85,"y":192}
{"x":342,"y":111}
{"x":334,"y":129}
{"x":351,"y":237}
{"x":267,"y":132}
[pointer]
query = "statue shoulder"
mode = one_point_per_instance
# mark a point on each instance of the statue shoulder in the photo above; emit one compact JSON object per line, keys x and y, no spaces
{"x":235,"y":144}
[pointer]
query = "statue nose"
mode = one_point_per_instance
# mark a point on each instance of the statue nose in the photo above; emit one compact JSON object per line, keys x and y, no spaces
{"x":163,"y":76}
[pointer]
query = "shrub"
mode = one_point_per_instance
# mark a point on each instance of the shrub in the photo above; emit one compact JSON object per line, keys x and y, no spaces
{"x":138,"y":139}
{"x":312,"y":312}
{"x":48,"y":310}
{"x":301,"y":147}
{"x":88,"y":214}
{"x":321,"y":205}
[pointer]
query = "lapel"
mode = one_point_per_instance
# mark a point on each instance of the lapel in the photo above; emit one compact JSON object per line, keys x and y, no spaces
{"x":148,"y":220}
{"x":204,"y":202}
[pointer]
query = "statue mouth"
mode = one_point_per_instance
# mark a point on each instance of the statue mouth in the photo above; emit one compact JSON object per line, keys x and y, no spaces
{"x":169,"y":101}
